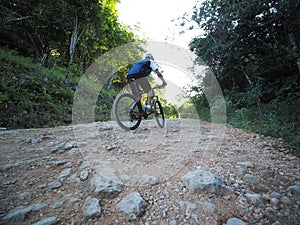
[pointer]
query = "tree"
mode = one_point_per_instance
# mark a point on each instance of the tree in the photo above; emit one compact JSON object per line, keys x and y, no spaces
{"x":77,"y":31}
{"x":249,"y":42}
{"x":253,"y":48}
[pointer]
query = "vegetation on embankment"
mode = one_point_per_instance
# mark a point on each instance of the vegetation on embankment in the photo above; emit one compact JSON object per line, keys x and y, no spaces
{"x":45,"y":48}
{"x":253,"y":49}
{"x":32,"y":95}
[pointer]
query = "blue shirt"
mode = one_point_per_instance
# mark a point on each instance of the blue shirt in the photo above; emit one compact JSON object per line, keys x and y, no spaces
{"x":143,"y":68}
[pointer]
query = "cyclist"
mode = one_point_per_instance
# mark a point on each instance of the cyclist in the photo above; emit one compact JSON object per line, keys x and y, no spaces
{"x":137,"y":76}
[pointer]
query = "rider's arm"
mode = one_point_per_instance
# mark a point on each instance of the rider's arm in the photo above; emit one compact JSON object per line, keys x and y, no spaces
{"x":160,"y":77}
{"x":154,"y":67}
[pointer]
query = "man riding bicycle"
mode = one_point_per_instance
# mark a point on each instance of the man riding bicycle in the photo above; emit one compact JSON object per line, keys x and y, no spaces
{"x":137,"y":76}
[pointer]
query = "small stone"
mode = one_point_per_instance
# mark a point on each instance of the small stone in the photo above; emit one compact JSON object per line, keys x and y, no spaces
{"x":240,"y":172}
{"x":286,"y":200}
{"x":59,"y":162}
{"x":247,"y":164}
{"x":151,"y":180}
{"x":48,"y":221}
{"x":294,"y":191}
{"x":56,"y":205}
{"x":274,"y":202}
{"x":248,"y":178}
{"x":140,"y":164}
{"x":173,"y":222}
{"x":65,"y":173}
{"x":181,"y":160}
{"x":35,"y":140}
{"x":256,"y":199}
{"x":24,"y":195}
{"x":133,"y":205}
{"x":110,"y":147}
{"x":69,"y":146}
{"x":235,"y":221}
{"x":54,"y":185}
{"x":259,"y":188}
{"x":74,"y":178}
{"x":275,"y":194}
{"x":261,"y":144}
{"x":91,"y":208}
{"x":190,"y":207}
{"x":84,"y":175}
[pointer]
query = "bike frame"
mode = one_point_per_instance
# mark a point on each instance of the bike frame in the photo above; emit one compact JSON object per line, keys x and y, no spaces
{"x":136,"y":112}
{"x":144,"y":114}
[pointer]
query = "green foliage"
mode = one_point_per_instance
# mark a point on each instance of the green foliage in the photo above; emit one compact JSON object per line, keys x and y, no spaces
{"x":43,"y":29}
{"x":278,"y":118}
{"x":105,"y":104}
{"x":36,"y":95}
{"x":170,"y":110}
{"x":32,"y":96}
{"x":194,"y":111}
{"x":249,"y":41}
{"x":197,"y":106}
{"x":252,"y":47}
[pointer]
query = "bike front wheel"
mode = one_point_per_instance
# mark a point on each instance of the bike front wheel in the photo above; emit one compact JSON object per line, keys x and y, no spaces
{"x":127,"y":113}
{"x":159,"y":114}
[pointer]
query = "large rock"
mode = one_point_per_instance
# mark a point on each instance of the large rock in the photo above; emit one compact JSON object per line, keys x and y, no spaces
{"x":105,"y":188}
{"x":200,"y":181}
{"x":133,"y":205}
{"x":18,"y":215}
{"x":91,"y":208}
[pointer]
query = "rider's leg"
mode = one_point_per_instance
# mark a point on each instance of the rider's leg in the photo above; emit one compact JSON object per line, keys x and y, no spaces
{"x":147,"y":89}
{"x":150,"y":95}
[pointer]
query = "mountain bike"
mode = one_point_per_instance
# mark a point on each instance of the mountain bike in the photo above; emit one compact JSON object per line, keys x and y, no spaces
{"x":129,"y":112}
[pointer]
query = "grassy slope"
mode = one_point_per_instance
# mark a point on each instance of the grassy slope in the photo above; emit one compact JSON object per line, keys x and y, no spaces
{"x":32,"y":96}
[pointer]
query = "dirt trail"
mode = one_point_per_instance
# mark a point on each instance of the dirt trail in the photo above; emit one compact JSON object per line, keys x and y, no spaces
{"x":47,"y":173}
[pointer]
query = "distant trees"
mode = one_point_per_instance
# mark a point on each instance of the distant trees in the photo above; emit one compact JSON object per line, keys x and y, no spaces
{"x":253,"y":49}
{"x":62,"y":30}
{"x":250,"y":42}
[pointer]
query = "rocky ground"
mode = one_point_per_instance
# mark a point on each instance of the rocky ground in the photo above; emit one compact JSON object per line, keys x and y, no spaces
{"x":191,"y":172}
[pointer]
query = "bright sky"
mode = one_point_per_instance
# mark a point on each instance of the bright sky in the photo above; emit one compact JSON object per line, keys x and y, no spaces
{"x":154,"y":17}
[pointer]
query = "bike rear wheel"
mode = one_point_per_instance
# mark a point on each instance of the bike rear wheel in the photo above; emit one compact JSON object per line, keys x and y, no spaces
{"x":127,"y":113}
{"x":159,"y":114}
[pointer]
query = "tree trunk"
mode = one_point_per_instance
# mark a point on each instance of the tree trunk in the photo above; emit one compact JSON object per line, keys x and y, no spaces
{"x":247,"y":77}
{"x":295,"y":49}
{"x":74,"y":40}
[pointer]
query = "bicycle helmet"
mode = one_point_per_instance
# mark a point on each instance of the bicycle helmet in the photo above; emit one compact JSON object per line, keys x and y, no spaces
{"x":149,"y":56}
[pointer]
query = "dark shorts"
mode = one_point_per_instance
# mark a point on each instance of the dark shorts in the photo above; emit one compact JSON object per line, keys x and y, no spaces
{"x":137,"y":83}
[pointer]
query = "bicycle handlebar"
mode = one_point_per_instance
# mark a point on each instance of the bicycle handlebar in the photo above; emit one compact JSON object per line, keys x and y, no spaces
{"x":159,"y":86}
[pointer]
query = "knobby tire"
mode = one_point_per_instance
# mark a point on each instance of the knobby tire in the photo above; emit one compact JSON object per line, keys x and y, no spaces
{"x":121,"y":111}
{"x":159,"y":114}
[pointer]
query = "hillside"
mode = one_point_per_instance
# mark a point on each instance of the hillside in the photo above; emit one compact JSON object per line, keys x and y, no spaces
{"x":32,"y":96}
{"x":185,"y":174}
